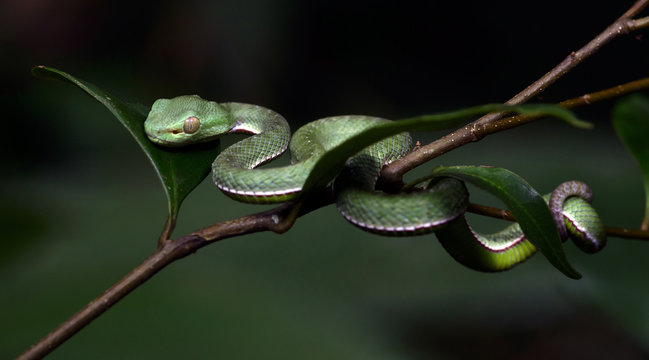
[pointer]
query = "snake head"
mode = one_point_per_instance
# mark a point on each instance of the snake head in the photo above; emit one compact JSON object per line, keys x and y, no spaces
{"x":186,"y":119}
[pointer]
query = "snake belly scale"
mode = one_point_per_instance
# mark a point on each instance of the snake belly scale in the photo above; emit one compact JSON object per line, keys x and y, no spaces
{"x":438,"y":207}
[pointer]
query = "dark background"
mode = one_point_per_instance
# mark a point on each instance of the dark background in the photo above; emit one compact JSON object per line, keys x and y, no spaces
{"x":81,"y":205}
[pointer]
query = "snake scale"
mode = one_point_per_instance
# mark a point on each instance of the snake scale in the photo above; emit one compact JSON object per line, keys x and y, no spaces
{"x":439,"y":207}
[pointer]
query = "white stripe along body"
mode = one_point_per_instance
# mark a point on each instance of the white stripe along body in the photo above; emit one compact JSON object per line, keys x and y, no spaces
{"x":439,"y":207}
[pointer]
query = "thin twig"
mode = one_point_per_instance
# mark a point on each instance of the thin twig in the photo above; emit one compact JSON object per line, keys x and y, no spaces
{"x":635,"y":234}
{"x":638,"y":24}
{"x":392,"y":175}
{"x":622,"y":26}
{"x":587,"y":99}
{"x":467,"y":134}
{"x":490,"y":212}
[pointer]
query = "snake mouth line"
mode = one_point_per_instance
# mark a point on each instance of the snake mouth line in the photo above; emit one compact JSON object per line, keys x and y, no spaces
{"x":153,"y":137}
{"x":160,"y":141}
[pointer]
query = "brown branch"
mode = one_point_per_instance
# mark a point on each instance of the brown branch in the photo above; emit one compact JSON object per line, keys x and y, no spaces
{"x":281,"y":218}
{"x":635,"y":234}
{"x":170,"y":252}
{"x":490,"y":212}
{"x":635,"y":9}
{"x":587,"y":99}
{"x":622,"y":26}
{"x":392,"y":175}
{"x":638,"y":24}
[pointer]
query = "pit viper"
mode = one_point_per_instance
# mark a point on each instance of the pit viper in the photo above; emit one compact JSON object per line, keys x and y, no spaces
{"x":438,"y":207}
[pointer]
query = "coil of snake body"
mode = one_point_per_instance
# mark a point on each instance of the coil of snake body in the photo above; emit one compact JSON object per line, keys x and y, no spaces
{"x":438,"y":208}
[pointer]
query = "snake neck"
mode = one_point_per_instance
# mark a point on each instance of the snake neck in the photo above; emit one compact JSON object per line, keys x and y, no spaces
{"x":271,"y":135}
{"x":232,"y":170}
{"x":254,"y":119}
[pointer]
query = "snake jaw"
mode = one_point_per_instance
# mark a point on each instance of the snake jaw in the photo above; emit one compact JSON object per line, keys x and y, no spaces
{"x":163,"y":137}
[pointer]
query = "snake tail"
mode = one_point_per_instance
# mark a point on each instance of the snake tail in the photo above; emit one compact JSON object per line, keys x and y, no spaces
{"x":439,"y":207}
{"x":507,"y":248}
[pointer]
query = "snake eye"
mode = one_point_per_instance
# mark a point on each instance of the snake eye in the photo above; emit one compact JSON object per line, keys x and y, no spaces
{"x":191,"y":125}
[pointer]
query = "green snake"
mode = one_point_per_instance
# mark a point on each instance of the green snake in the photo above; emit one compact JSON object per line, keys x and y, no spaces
{"x":437,"y":207}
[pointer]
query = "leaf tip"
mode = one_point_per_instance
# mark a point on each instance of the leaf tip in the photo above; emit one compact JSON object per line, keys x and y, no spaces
{"x":43,"y":72}
{"x":35,"y":70}
{"x":581,"y":124}
{"x":573,"y":274}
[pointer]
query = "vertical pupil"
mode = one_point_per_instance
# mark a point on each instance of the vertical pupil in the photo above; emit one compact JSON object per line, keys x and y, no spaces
{"x":191,"y":125}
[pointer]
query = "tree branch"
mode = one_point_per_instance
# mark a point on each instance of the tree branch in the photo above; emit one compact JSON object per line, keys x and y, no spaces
{"x":392,"y":175}
{"x":282,"y":218}
{"x":163,"y":256}
{"x":279,"y":219}
{"x":638,"y":24}
{"x":586,"y":99}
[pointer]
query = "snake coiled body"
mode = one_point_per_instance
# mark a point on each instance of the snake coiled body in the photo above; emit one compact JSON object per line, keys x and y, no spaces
{"x":438,"y":207}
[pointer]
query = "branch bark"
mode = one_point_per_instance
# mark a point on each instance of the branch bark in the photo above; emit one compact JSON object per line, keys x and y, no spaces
{"x":278,"y":220}
{"x":163,"y":256}
{"x":392,"y":175}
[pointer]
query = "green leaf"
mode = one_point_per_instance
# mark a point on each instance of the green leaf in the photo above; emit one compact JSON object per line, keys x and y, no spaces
{"x":527,"y":206}
{"x":333,"y":161}
{"x":179,"y":170}
{"x":631,"y":122}
{"x":553,"y":111}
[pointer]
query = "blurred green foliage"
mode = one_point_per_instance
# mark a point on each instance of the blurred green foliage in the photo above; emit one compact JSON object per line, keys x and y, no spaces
{"x":631,"y":122}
